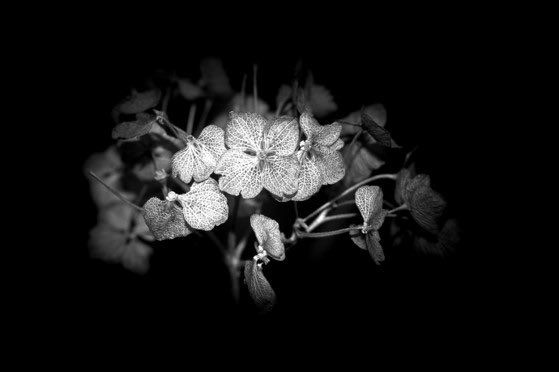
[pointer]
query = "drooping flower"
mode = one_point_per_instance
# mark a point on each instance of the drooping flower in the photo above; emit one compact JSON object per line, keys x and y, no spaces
{"x":268,"y":235}
{"x":321,"y":162}
{"x":200,"y":156}
{"x":369,"y":201}
{"x":120,"y":236}
{"x":261,"y":154}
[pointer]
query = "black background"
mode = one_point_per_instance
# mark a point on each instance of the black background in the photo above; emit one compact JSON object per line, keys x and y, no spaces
{"x":429,"y":83}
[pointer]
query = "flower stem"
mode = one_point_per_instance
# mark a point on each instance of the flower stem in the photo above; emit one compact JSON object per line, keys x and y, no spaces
{"x":244,"y":93}
{"x":115,"y":192}
{"x":349,"y":190}
{"x":327,"y":233}
{"x":191,"y":115}
{"x":255,"y":86}
{"x":402,"y":207}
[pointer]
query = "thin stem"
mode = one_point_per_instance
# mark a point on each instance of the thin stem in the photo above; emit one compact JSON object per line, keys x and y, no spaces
{"x":115,"y":192}
{"x":327,"y":233}
{"x":207,"y":107}
{"x":348,"y":123}
{"x":244,"y":93}
{"x":191,"y":116}
{"x":399,"y":208}
{"x":166,"y":99}
{"x":231,"y":236}
{"x":344,"y":203}
{"x":296,"y":210}
{"x":331,"y":218}
{"x":217,"y":242}
{"x":359,"y":132}
{"x":255,"y":87}
{"x":349,"y":190}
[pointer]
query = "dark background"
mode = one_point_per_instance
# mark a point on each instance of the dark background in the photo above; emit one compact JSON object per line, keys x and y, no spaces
{"x":428,"y":83}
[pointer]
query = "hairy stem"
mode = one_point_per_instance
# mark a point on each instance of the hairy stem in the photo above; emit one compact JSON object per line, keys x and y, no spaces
{"x":349,"y":190}
{"x":115,"y":192}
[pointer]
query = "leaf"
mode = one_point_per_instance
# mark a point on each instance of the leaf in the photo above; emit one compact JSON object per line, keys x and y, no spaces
{"x":446,"y":241}
{"x":376,"y":131}
{"x":324,"y":135}
{"x":244,"y":131}
{"x":164,"y":219}
{"x":401,"y":182}
{"x":360,"y":163}
{"x":214,"y":78}
{"x":139,"y":101}
{"x":189,"y":90}
{"x":268,"y":235}
{"x":204,"y":206}
{"x":131,"y":129}
{"x":369,"y":202}
{"x":239,"y":174}
{"x":426,"y":207}
{"x":321,"y":101}
{"x":258,"y":287}
{"x":373,"y":246}
{"x":376,"y":111}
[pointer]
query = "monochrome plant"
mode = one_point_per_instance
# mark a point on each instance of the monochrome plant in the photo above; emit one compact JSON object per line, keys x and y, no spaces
{"x":184,"y":181}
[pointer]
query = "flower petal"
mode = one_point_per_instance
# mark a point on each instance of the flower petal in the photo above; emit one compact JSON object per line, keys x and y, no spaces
{"x":332,"y":167}
{"x":204,"y":206}
{"x":164,"y":219}
{"x":268,"y":235}
{"x":282,"y":136}
{"x":244,"y":131}
{"x":328,"y":134}
{"x":280,"y":175}
{"x":309,"y":125}
{"x":310,"y":178}
{"x":213,"y":138}
{"x":194,"y":161}
{"x":369,"y":201}
{"x":240,"y":174}
{"x":358,"y":238}
{"x":258,"y":287}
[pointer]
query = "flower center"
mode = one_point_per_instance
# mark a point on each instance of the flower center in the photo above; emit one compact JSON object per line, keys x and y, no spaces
{"x":305,"y":145}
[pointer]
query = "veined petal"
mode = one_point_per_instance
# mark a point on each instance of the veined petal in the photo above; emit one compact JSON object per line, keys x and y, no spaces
{"x":244,"y":131}
{"x":213,"y":138}
{"x":283,"y":136}
{"x":310,"y":178}
{"x":204,"y":206}
{"x":239,"y":174}
{"x":369,"y":201}
{"x":268,"y":235}
{"x":280,"y":175}
{"x":328,"y":134}
{"x":373,"y":246}
{"x":164,"y":219}
{"x":194,"y":161}
{"x":358,"y":238}
{"x":309,"y":125}
{"x":332,"y":167}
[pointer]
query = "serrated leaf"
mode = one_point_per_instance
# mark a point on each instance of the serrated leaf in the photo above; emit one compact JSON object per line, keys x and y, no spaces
{"x":164,"y":219}
{"x":259,"y":288}
{"x":139,"y":102}
{"x":376,"y":131}
{"x":268,"y":235}
{"x":204,"y":206}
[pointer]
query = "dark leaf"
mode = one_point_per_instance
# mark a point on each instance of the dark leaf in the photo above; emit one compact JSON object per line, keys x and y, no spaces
{"x":373,"y":246}
{"x":376,"y":131}
{"x":260,"y":290}
{"x":133,"y":129}
{"x":426,"y":207}
{"x":139,"y":102}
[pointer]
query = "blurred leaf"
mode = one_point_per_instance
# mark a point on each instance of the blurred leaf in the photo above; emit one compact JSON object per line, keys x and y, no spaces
{"x":376,"y":111}
{"x":321,"y":101}
{"x":132,"y":129}
{"x":360,"y":162}
{"x":189,"y":90}
{"x":445,"y":243}
{"x":139,"y":101}
{"x":262,"y":107}
{"x":268,"y":235}
{"x":258,"y":287}
{"x":375,"y":130}
{"x":284,"y":95}
{"x":165,"y":219}
{"x":214,"y":78}
{"x":426,"y":207}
